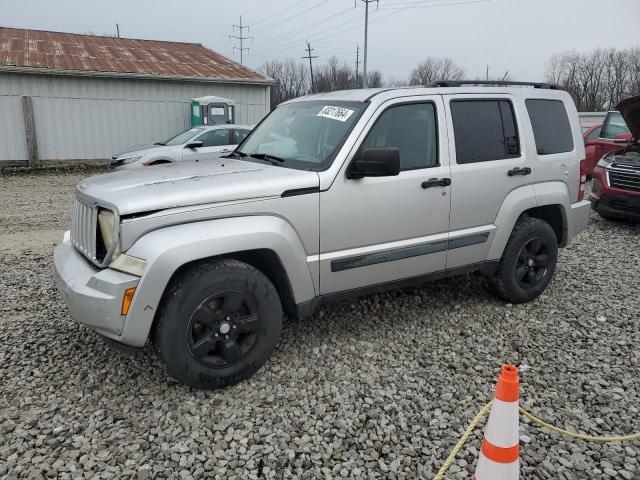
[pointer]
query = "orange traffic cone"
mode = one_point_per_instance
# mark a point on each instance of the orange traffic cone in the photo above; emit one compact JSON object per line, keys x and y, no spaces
{"x":500,"y":453}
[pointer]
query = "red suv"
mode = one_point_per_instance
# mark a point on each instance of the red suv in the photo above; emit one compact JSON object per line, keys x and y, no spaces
{"x":615,"y":192}
{"x":590,"y":133}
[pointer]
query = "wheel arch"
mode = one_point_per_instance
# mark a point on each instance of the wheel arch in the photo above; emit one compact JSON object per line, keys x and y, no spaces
{"x":266,"y":261}
{"x":547,"y":201}
{"x":268,"y":243}
{"x":159,"y":161}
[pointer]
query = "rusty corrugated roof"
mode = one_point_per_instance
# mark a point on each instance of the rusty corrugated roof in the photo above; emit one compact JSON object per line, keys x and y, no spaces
{"x":54,"y":52}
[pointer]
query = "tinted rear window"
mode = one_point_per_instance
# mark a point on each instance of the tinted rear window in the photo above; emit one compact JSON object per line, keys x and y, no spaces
{"x":551,"y":127}
{"x":485,"y":130}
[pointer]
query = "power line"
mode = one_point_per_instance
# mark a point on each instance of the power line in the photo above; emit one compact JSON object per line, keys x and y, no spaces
{"x":357,"y":63}
{"x":305,"y":28}
{"x":365,"y":82}
{"x":295,"y":15}
{"x":333,"y":35}
{"x":318,"y":37}
{"x":278,"y":12}
{"x":283,"y":43}
{"x":310,"y":57}
{"x":241,"y":38}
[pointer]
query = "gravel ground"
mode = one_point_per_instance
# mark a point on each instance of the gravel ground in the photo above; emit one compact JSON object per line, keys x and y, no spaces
{"x":380,"y":387}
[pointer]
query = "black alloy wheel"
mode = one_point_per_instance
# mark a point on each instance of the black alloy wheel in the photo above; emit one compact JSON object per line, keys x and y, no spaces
{"x":223,"y":328}
{"x":532,"y":264}
{"x":218,"y":323}
{"x":528,"y":261}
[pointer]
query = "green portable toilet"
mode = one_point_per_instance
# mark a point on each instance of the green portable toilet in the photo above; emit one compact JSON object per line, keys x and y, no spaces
{"x":212,"y":110}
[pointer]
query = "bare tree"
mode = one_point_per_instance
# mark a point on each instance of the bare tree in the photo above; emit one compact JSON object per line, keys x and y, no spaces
{"x":396,"y":82}
{"x":434,"y":69}
{"x":334,"y":76}
{"x":375,"y":78}
{"x":597,"y":80}
{"x":290,"y":77}
{"x":633,"y":88}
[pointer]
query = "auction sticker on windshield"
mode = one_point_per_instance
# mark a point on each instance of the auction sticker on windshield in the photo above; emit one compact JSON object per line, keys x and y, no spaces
{"x":335,"y":113}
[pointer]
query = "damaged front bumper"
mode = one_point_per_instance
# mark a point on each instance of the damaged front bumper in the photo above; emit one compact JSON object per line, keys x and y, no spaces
{"x":94,"y":296}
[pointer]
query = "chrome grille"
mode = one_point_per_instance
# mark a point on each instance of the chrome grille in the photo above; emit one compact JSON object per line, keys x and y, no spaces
{"x":624,"y":176}
{"x":83,"y":229}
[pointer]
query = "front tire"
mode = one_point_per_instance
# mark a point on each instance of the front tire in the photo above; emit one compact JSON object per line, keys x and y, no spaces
{"x":218,"y":324}
{"x":528,"y":261}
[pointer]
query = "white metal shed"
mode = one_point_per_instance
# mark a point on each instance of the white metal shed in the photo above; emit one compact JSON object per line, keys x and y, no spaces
{"x":81,"y":97}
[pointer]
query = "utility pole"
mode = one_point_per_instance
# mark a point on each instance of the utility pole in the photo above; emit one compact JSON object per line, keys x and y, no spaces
{"x":241,"y":38}
{"x":365,"y":82}
{"x":310,"y":57}
{"x":357,"y":64}
{"x":118,"y":29}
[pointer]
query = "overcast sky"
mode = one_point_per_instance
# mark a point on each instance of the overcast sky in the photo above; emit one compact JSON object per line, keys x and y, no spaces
{"x":507,"y":35}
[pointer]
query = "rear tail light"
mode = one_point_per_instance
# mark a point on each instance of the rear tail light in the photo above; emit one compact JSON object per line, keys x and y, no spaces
{"x":583,"y":180}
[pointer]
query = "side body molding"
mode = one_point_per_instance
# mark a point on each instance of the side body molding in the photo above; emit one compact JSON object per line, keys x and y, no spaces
{"x":167,"y":249}
{"x":522,"y":199}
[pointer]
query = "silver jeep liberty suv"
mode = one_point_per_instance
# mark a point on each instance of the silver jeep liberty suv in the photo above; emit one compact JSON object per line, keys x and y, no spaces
{"x":331,"y":196}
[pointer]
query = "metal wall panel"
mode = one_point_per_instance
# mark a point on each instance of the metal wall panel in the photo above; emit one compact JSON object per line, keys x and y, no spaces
{"x":91,"y":118}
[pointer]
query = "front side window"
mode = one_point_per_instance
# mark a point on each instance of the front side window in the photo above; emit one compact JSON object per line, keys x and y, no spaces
{"x":181,"y":138}
{"x":215,"y":138}
{"x":484,"y":130}
{"x":614,"y":125}
{"x":412,"y":129}
{"x":305,"y":135}
{"x":551,"y":127}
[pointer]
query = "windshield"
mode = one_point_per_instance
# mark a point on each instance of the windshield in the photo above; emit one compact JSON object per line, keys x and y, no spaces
{"x":181,"y":138}
{"x":304,"y":135}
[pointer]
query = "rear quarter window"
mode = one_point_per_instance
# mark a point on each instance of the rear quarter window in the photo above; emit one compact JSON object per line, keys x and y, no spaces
{"x":551,"y":127}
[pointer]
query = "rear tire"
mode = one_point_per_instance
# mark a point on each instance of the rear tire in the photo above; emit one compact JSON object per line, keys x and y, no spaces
{"x":218,"y":324}
{"x":528,"y":261}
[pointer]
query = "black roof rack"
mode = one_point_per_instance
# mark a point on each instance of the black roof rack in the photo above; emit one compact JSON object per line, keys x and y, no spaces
{"x":498,"y":83}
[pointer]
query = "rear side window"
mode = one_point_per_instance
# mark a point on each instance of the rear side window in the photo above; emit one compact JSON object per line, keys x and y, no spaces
{"x":485,"y":130}
{"x":551,"y":127}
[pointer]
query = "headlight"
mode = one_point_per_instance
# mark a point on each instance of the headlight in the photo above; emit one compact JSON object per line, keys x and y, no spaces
{"x":604,"y":162}
{"x":129,"y":160}
{"x":106,"y":222}
{"x":128,"y":264}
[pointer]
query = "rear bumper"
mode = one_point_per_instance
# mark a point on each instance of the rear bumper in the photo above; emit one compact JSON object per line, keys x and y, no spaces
{"x":94,"y":296}
{"x":579,"y":218}
{"x":619,"y":206}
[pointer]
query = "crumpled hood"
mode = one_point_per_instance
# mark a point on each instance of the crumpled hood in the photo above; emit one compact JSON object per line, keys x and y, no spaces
{"x":630,"y":110}
{"x":192,"y":183}
{"x":141,"y":151}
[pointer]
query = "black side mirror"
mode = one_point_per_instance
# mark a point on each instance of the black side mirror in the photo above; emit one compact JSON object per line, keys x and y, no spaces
{"x":375,"y":162}
{"x":194,"y":145}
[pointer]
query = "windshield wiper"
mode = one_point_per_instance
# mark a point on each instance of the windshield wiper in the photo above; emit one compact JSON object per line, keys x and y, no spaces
{"x":267,"y":156}
{"x":159,"y":143}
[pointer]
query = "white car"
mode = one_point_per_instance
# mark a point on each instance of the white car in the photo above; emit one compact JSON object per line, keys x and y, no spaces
{"x":197,"y":143}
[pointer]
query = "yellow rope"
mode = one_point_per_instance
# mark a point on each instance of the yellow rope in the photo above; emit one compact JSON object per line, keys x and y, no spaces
{"x":586,"y":438}
{"x":461,"y":442}
{"x":465,"y":436}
